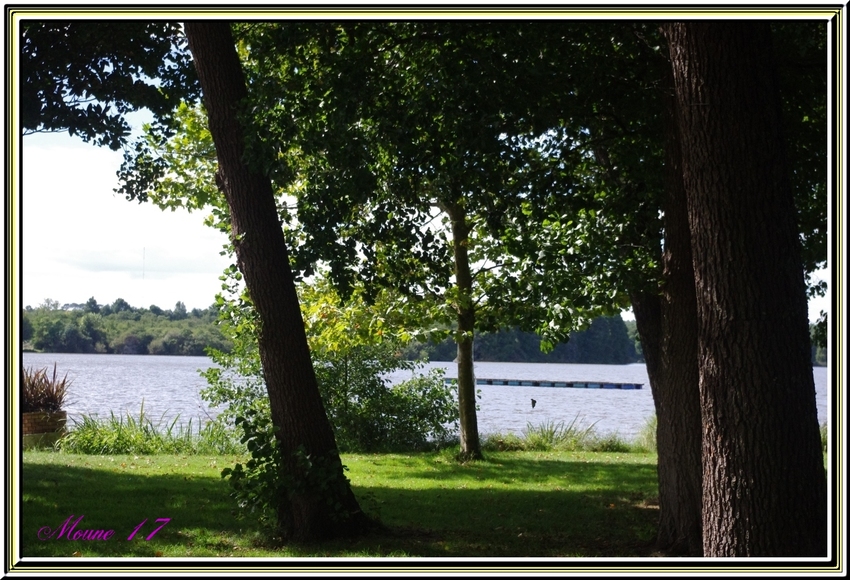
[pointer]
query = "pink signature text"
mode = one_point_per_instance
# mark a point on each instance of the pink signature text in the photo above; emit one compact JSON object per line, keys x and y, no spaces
{"x":71,"y":529}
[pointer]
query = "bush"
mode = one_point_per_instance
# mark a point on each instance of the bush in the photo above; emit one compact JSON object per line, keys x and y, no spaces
{"x":42,"y":392}
{"x":369,"y":414}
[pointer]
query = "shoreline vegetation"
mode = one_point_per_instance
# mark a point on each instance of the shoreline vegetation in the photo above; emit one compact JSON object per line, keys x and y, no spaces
{"x":120,"y":328}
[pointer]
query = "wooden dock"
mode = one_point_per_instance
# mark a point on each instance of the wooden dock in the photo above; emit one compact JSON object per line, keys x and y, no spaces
{"x":556,"y":384}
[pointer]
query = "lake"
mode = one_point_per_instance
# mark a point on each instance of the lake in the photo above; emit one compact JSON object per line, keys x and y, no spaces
{"x":170,"y":388}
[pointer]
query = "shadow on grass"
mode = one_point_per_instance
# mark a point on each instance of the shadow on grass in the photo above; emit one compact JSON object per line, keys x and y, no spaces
{"x":578,"y":509}
{"x":201,"y":512}
{"x":512,"y":508}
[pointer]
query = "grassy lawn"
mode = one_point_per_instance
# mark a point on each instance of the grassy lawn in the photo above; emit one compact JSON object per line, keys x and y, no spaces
{"x":514,"y":504}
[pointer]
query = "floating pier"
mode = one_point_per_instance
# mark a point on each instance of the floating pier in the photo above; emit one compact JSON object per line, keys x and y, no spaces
{"x":556,"y":384}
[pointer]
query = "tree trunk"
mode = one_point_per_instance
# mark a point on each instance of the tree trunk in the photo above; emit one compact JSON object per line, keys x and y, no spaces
{"x":470,"y":444}
{"x":764,"y":486}
{"x":262,"y":257}
{"x":677,"y":398}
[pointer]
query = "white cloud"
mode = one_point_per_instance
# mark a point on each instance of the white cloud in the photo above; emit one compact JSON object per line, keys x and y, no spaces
{"x":80,"y":239}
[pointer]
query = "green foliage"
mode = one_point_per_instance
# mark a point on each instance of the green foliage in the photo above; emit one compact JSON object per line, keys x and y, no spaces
{"x":43,"y":392}
{"x":141,"y":436}
{"x":259,"y":485}
{"x":548,"y":436}
{"x":122,"y":329}
{"x":26,"y":326}
{"x":605,"y":341}
{"x":354,"y":347}
{"x":369,"y":414}
{"x":85,"y":76}
{"x":559,"y":436}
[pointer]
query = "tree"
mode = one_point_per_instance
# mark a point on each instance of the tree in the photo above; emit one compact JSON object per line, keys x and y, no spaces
{"x":72,"y":73}
{"x":26,"y":326}
{"x":121,"y":305}
{"x":92,"y":306}
{"x":84,"y":76}
{"x":303,"y":428}
{"x":412,"y":163}
{"x":625,"y":127}
{"x":179,"y":312}
{"x":764,"y":486}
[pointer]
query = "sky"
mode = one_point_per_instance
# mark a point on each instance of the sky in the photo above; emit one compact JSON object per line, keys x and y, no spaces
{"x":81,"y":240}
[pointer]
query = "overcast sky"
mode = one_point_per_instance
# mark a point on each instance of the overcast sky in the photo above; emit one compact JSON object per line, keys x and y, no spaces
{"x":80,"y":239}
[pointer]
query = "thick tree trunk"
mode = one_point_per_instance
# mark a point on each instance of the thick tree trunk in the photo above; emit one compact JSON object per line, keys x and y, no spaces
{"x":470,"y":444}
{"x":262,"y":258}
{"x":764,"y":486}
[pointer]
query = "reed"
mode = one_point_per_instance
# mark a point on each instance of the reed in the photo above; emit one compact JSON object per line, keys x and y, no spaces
{"x":557,"y":436}
{"x":141,"y":436}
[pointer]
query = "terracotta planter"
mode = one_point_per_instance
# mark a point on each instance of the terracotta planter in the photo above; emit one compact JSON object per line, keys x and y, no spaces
{"x":43,"y":429}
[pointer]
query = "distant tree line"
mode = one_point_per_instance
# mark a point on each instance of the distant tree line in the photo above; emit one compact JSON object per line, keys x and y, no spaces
{"x":607,"y":340}
{"x":120,"y":328}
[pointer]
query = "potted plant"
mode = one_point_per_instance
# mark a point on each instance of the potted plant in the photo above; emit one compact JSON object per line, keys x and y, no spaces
{"x":42,"y":405}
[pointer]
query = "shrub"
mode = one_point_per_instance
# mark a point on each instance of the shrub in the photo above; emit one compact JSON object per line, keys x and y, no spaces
{"x":42,"y":392}
{"x":369,"y":414}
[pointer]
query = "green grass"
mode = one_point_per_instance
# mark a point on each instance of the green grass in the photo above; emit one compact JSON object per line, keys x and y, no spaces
{"x":144,"y":437}
{"x":513,"y":504}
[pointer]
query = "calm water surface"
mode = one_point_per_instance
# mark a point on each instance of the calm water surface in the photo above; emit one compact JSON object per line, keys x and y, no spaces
{"x":170,"y":388}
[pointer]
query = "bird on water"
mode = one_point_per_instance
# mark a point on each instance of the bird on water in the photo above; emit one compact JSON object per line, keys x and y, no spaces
{"x":533,"y":402}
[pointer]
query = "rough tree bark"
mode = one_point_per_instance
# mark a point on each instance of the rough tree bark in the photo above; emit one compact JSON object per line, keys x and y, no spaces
{"x":764,"y":486}
{"x":676,"y":369}
{"x":262,"y":257}
{"x":667,"y":324}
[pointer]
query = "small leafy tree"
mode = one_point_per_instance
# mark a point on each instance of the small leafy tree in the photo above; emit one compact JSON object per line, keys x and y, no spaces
{"x":354,"y":348}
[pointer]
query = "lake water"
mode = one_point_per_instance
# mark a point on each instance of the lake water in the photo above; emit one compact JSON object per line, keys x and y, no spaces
{"x":170,"y":388}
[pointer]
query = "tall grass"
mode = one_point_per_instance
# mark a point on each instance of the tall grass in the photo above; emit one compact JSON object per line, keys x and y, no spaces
{"x":557,"y":436}
{"x":141,"y":436}
{"x":646,"y":439}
